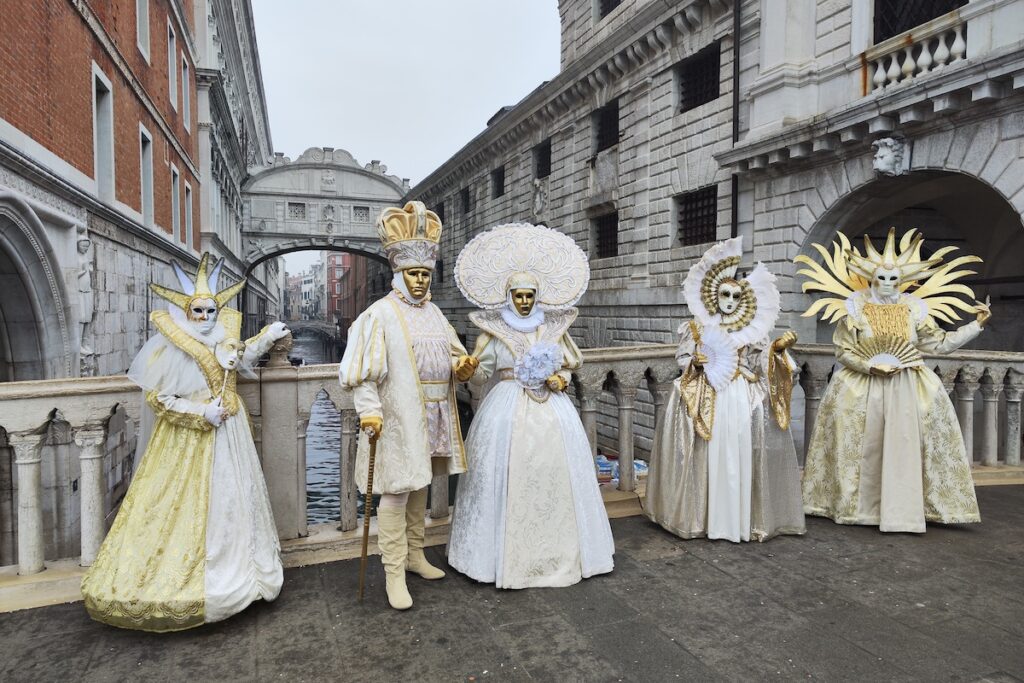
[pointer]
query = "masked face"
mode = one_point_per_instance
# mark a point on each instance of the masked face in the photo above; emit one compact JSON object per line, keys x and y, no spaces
{"x":523,"y":299}
{"x":417,"y":281}
{"x":203,"y":312}
{"x":229,"y":353}
{"x":886,"y":281}
{"x":729,"y":297}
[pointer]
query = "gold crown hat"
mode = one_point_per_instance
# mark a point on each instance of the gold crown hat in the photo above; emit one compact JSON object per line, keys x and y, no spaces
{"x":410,"y":236}
{"x":204,"y":286}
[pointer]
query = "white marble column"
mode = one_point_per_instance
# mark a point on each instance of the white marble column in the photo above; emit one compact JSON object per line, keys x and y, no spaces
{"x":967,"y":385}
{"x":349,"y":518}
{"x":91,"y":441}
{"x":30,"y":504}
{"x":990,"y":391}
{"x":1014,"y":389}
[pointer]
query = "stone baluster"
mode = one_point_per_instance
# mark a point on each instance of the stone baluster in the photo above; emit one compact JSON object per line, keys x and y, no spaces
{"x":941,"y":52}
{"x":893,"y":74}
{"x":349,"y":513}
{"x":591,"y":383}
{"x":626,"y":389}
{"x":959,"y":46}
{"x":91,"y":442}
{"x":966,"y":387}
{"x":990,"y":390}
{"x":1013,"y":390}
{"x":813,"y":380}
{"x":909,"y":65}
{"x":879,"y":77}
{"x":924,"y":60}
{"x":30,"y":505}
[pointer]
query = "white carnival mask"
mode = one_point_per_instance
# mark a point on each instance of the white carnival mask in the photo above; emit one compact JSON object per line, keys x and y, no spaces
{"x":729,"y":295}
{"x":229,"y":353}
{"x":886,"y":280}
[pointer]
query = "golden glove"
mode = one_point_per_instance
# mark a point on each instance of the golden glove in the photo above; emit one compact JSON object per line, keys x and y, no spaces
{"x":557,"y":383}
{"x":465,"y":367}
{"x":784,"y":342}
{"x":373,"y":426}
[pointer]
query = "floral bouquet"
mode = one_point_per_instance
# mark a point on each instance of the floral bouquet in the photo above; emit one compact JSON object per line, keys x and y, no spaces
{"x":533,"y":368}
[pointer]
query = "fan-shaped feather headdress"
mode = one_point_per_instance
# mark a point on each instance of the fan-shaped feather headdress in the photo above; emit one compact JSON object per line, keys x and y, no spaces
{"x":846,"y":271}
{"x":204,"y":286}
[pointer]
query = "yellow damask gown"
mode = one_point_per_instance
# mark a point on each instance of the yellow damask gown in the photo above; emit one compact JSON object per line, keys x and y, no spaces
{"x":888,"y":451}
{"x":177,"y":555}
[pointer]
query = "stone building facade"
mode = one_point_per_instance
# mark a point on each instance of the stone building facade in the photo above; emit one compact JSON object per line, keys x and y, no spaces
{"x":663,"y":133}
{"x":101,"y":173}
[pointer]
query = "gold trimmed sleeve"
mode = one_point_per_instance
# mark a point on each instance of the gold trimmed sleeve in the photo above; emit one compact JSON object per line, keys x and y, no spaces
{"x":176,"y":411}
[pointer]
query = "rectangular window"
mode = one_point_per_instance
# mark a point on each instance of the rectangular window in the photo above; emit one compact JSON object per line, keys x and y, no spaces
{"x":103,"y":136}
{"x":606,"y":126}
{"x":146,"y":174}
{"x":497,"y":182}
{"x":542,"y":159}
{"x":697,"y":215}
{"x":176,"y":204}
{"x":339,"y":272}
{"x":188,"y":215}
{"x":605,"y":7}
{"x":360,"y":214}
{"x":296,"y":211}
{"x":606,"y":234}
{"x":186,"y":97}
{"x":337,"y":288}
{"x":142,"y":27}
{"x":467,"y":200}
{"x":893,"y":17}
{"x":172,"y":67}
{"x":439,"y":210}
{"x":697,"y":77}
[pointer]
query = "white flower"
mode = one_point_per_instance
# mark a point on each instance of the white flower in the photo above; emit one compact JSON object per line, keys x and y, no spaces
{"x":542,"y":360}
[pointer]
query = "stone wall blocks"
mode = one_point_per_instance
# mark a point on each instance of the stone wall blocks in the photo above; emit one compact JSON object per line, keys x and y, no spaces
{"x":980,"y":150}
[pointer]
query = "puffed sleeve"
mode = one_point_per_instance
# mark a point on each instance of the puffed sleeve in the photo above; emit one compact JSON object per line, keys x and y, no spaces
{"x":572,"y":358}
{"x":933,"y":339}
{"x":486,"y":352}
{"x":364,"y":364}
{"x":255,"y":347}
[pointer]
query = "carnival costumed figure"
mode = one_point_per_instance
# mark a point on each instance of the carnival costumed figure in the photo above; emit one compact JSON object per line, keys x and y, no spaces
{"x":723,"y":463}
{"x":529,"y":512}
{"x":886,"y":448}
{"x":401,"y":362}
{"x":194,"y":541}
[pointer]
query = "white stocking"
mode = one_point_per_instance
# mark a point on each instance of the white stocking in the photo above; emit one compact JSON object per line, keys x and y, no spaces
{"x":393,"y":500}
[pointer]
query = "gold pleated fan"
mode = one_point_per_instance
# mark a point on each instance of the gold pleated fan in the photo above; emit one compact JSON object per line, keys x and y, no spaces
{"x":887,"y":350}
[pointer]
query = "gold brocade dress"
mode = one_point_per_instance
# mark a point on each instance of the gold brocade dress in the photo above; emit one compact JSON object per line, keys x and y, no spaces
{"x":888,"y":451}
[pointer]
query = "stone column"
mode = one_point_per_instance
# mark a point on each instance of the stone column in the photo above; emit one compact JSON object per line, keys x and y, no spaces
{"x":628,"y":385}
{"x":1014,"y":389}
{"x":30,"y":504}
{"x":591,"y":382}
{"x":990,"y":391}
{"x":966,"y":387}
{"x":349,"y":513}
{"x":91,"y":441}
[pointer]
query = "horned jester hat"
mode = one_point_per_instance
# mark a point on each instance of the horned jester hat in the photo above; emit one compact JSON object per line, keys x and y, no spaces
{"x":204,"y":286}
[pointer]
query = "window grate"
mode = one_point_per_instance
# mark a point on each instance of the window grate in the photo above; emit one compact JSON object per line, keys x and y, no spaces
{"x":697,"y":215}
{"x":542,"y":159}
{"x":497,"y":182}
{"x":893,"y":17}
{"x":360,"y":214}
{"x":606,"y":233}
{"x":605,"y":7}
{"x":439,"y":210}
{"x":467,"y":200}
{"x":296,"y":211}
{"x":606,"y":123}
{"x":698,"y":77}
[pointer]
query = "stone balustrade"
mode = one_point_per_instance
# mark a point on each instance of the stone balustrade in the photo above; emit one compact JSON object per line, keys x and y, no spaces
{"x":986,"y":387}
{"x":929,"y":47}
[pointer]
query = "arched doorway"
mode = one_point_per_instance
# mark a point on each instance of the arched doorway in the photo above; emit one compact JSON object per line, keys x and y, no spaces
{"x":950,"y":209}
{"x":35,"y":339}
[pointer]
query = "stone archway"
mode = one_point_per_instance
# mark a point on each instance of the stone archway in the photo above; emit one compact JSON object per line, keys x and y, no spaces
{"x":36,"y":341}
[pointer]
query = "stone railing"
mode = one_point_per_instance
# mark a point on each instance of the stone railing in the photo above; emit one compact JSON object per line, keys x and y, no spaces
{"x":97,"y":417}
{"x":928,"y":47}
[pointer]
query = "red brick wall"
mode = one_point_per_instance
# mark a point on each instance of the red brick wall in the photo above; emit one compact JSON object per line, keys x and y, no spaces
{"x":46,"y":61}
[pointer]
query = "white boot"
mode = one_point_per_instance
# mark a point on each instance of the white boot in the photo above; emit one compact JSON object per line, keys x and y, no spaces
{"x":416,"y":530}
{"x":394,"y":550}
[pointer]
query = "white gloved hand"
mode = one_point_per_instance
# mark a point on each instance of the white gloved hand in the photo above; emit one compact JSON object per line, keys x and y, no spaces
{"x":277,"y":330}
{"x":215,"y":413}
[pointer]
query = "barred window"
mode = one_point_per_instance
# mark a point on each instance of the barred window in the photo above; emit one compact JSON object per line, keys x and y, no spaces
{"x":439,"y":210}
{"x":697,"y":215}
{"x":497,"y":182}
{"x":467,"y":200}
{"x":297,"y":211}
{"x":360,"y":214}
{"x":606,"y":126}
{"x":893,"y":17}
{"x":698,"y":77}
{"x":605,"y":7}
{"x":606,"y":234}
{"x":542,"y":159}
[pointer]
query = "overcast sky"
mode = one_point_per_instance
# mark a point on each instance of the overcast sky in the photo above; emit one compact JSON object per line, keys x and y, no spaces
{"x":408,"y":82}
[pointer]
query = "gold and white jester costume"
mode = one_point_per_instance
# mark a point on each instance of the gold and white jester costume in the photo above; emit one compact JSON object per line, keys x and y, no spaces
{"x":886,"y":448}
{"x":194,"y":541}
{"x":529,"y":511}
{"x":723,"y":464}
{"x":401,"y":362}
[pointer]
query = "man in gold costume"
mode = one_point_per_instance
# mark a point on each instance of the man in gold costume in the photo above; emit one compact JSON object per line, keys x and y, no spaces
{"x":401,"y":362}
{"x":886,"y":448}
{"x":194,"y":541}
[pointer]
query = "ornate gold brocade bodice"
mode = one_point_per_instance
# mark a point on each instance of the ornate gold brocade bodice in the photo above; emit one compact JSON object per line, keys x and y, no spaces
{"x":889,"y":320}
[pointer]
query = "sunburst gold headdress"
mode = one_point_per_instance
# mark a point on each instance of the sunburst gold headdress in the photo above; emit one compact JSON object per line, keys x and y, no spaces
{"x":846,"y":271}
{"x":204,"y":286}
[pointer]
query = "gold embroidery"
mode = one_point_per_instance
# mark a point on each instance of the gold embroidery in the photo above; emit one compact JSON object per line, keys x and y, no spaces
{"x":892,"y":320}
{"x":203,"y":357}
{"x":699,"y":398}
{"x":189,"y":420}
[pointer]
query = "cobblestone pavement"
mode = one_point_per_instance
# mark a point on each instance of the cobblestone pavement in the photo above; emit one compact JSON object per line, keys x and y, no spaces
{"x":842,"y":603}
